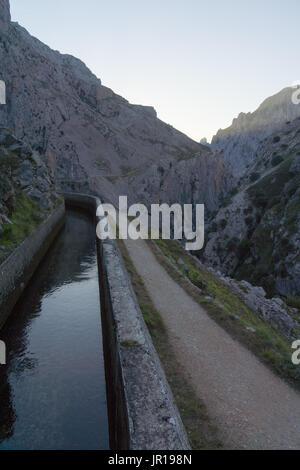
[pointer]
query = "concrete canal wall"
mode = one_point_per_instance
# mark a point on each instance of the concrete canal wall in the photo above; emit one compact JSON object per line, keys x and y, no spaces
{"x":141,"y":408}
{"x":142,"y":412}
{"x":18,"y":268}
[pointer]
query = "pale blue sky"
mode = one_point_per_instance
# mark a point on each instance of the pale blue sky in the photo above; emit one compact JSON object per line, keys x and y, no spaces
{"x":198,"y":62}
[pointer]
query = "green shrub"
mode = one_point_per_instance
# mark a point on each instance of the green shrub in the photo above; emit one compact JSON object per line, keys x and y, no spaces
{"x":286,"y":246}
{"x":254,"y":177}
{"x":244,"y":248}
{"x":293,"y":301}
{"x":232,"y":243}
{"x":276,"y":139}
{"x":282,"y":271}
{"x":268,"y":284}
{"x":234,"y":191}
{"x":196,"y":278}
{"x":223,"y":224}
{"x":260,"y":199}
{"x":273,"y":202}
{"x":25,"y":218}
{"x":213,"y":227}
{"x":248,"y":210}
{"x":277,"y":160}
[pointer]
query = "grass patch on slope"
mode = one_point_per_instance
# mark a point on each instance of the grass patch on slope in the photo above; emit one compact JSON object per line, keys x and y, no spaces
{"x":202,"y":434}
{"x":276,"y":198}
{"x":25,"y":218}
{"x":269,"y":187}
{"x":293,"y":301}
{"x":228,"y":310}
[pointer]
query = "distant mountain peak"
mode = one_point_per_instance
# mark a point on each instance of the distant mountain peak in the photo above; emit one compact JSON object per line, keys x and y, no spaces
{"x":240,"y":141}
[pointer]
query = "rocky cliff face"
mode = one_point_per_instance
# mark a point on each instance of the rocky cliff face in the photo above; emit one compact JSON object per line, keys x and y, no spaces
{"x":4,"y":15}
{"x":256,"y":234}
{"x":241,"y":140}
{"x":27,"y":191}
{"x":92,"y":139}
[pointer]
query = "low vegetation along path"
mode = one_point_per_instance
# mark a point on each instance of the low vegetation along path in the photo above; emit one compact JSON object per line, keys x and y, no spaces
{"x":252,"y":407}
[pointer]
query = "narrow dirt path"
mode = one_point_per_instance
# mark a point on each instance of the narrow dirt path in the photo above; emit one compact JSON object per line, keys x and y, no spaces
{"x":252,"y":407}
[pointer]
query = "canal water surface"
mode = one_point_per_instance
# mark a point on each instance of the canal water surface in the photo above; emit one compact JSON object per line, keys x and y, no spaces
{"x":52,"y":390}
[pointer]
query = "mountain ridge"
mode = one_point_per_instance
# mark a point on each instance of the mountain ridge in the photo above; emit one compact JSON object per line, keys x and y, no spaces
{"x":240,"y":141}
{"x":94,"y":140}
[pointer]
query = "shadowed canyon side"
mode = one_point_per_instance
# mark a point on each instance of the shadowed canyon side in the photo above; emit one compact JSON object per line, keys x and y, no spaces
{"x":254,"y":235}
{"x":92,"y":139}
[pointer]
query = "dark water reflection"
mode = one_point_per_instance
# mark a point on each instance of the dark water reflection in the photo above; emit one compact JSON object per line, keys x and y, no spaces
{"x":52,"y":391}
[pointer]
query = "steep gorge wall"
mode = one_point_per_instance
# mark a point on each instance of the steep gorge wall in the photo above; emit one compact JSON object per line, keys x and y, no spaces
{"x":93,"y":139}
{"x":256,"y":235}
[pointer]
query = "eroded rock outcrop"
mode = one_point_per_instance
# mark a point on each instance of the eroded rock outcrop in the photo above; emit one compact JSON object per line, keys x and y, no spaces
{"x":273,"y":310}
{"x":27,"y":191}
{"x":256,"y":234}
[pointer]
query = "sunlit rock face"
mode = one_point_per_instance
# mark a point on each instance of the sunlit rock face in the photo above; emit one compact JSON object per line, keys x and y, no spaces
{"x":241,"y":140}
{"x":91,"y":138}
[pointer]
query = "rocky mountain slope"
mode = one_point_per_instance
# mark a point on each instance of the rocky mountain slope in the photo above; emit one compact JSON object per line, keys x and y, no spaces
{"x":27,"y":191}
{"x":241,"y":140}
{"x":255,"y":236}
{"x":94,"y":140}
